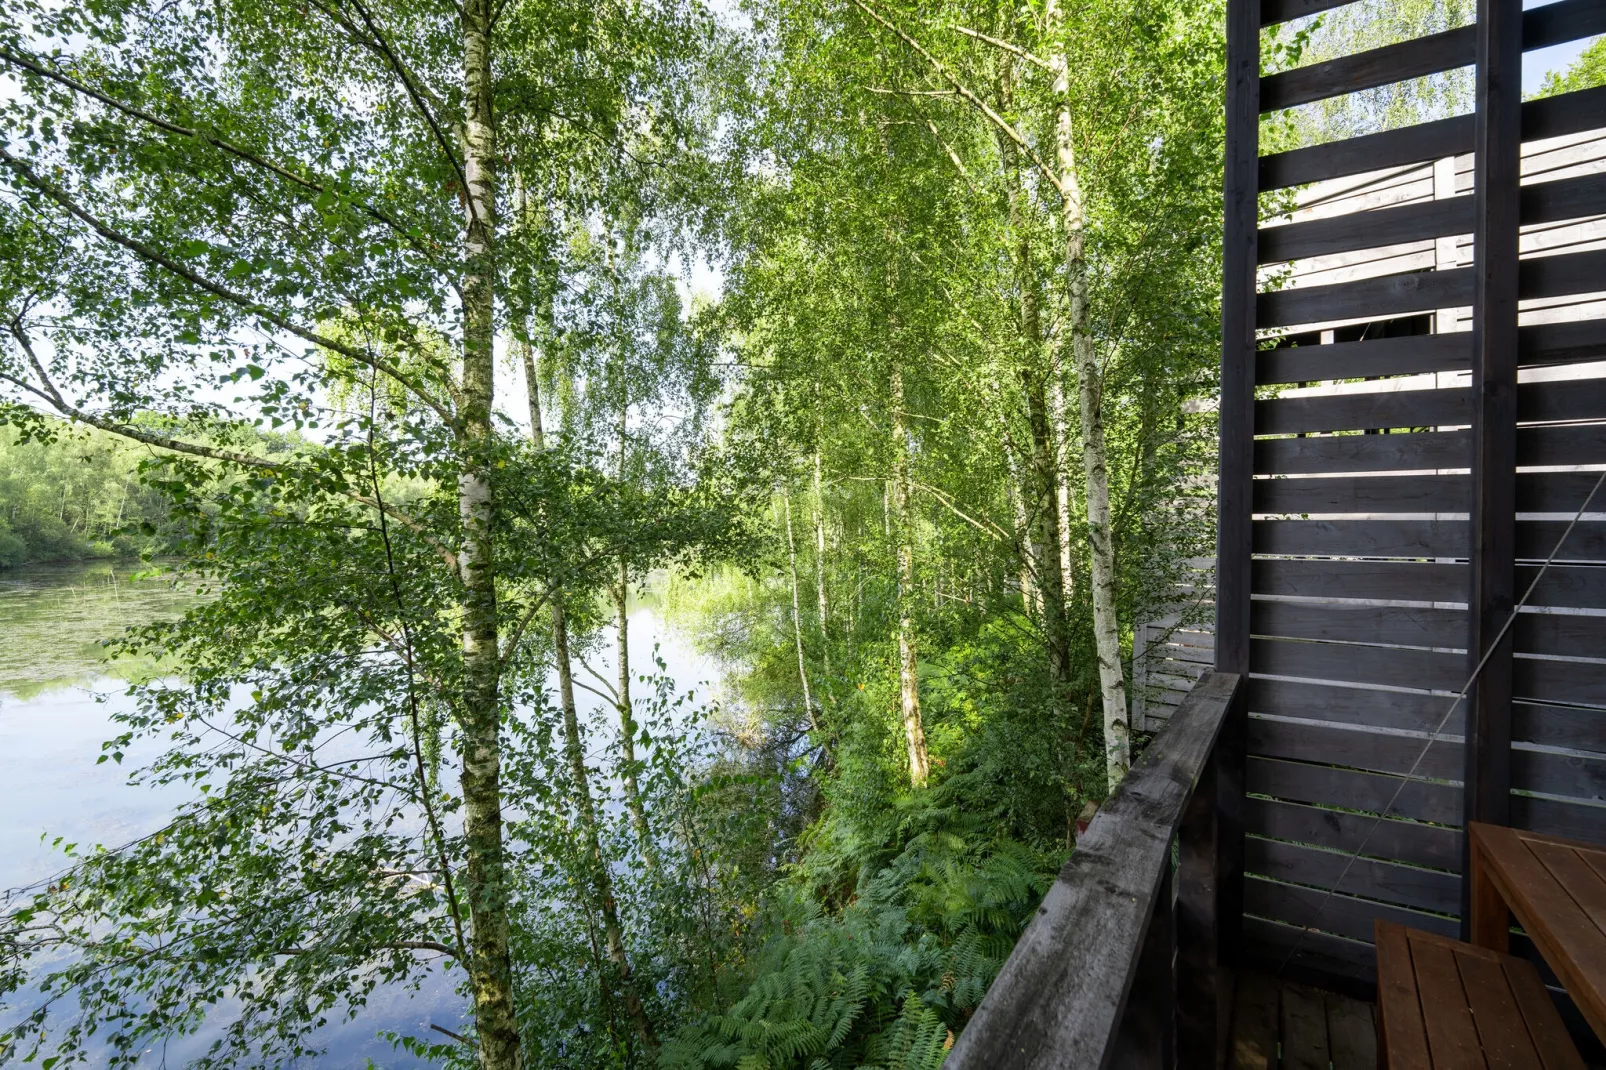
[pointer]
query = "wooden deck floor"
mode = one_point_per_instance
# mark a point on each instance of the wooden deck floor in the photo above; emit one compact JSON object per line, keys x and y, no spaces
{"x":1283,"y":1026}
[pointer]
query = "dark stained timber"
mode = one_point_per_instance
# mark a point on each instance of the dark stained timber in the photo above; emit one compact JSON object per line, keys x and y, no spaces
{"x":1357,"y":412}
{"x":1562,"y":635}
{"x":1391,"y":882}
{"x":1417,"y":800}
{"x":1347,"y":663}
{"x":1411,"y":451}
{"x":1562,"y":343}
{"x":1569,"y":399}
{"x":1368,"y":70}
{"x":1542,"y":202}
{"x":1364,"y":494}
{"x":1410,"y":711}
{"x":1579,"y":776}
{"x":1394,"y":581}
{"x":1392,"y":625}
{"x":1551,"y":24}
{"x":1354,"y":360}
{"x":1060,"y":998}
{"x":1580,"y":820}
{"x":1580,"y":683}
{"x":1559,"y":726}
{"x":1374,"y":752}
{"x":1273,"y":945}
{"x":1568,"y":113}
{"x":1565,"y":586}
{"x":1337,"y":913}
{"x":1537,"y":540}
{"x":1417,"y":843}
{"x":1386,"y":295}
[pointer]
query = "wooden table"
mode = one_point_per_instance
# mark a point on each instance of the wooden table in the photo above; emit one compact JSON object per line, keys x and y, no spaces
{"x":1557,"y":890}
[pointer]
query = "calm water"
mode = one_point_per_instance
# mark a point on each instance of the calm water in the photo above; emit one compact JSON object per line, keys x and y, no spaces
{"x":58,"y":692}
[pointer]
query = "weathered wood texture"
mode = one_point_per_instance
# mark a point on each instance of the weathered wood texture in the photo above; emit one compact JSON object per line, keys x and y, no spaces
{"x":1426,"y":317}
{"x":1062,"y":995}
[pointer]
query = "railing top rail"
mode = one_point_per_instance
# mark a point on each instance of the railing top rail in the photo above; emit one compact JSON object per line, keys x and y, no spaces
{"x":1059,"y":999}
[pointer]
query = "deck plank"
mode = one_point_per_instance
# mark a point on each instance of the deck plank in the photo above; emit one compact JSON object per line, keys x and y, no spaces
{"x":1351,"y":1033}
{"x":1304,"y":1021}
{"x":1254,"y":1023}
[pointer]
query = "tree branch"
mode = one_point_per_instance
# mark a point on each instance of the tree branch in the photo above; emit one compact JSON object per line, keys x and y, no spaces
{"x":964,"y":91}
{"x":53,"y":396}
{"x":308,"y":184}
{"x":155,"y":256}
{"x":1007,"y":47}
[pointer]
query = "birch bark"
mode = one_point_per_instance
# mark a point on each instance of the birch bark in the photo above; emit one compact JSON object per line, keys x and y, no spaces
{"x":1095,"y":456}
{"x":908,"y":679}
{"x":485,"y":869}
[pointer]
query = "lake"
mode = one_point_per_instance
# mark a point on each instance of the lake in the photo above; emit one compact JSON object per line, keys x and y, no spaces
{"x":58,"y":693}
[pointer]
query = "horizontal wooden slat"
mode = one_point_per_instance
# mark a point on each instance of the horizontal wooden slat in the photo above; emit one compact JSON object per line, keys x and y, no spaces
{"x":1566,"y":113}
{"x":1392,"y":882}
{"x":1537,"y":492}
{"x":1548,"y":773}
{"x":1322,"y":958}
{"x":1377,"y":752}
{"x":1368,"y":70}
{"x":1407,"y":355}
{"x":1542,"y":202}
{"x":1363,"y":494}
{"x":1413,"y":451}
{"x":1358,"y":412}
{"x":1393,"y":581}
{"x":1362,"y":538}
{"x":1421,"y":291}
{"x":1562,"y":343}
{"x":1541,"y":345}
{"x":1582,"y":444}
{"x":1537,"y":540}
{"x":1333,"y":913}
{"x":1414,"y":711}
{"x":1567,"y":399}
{"x":1405,"y":841}
{"x":1386,"y":295}
{"x":1559,"y":726}
{"x":1565,"y":586}
{"x":1417,"y":800}
{"x":1558,"y":23}
{"x":1576,"y":682}
{"x":1347,"y":663}
{"x":1359,"y":624}
{"x":1561,"y":635}
{"x":1559,"y":818}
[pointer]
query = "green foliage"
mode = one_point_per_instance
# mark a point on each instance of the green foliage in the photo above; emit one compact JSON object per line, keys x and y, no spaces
{"x":76,"y":497}
{"x":1587,"y":72}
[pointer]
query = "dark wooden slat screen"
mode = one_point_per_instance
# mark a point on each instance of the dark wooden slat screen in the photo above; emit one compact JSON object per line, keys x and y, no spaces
{"x":1543,"y":202}
{"x":1372,"y":506}
{"x":1550,"y":24}
{"x":1568,"y":113}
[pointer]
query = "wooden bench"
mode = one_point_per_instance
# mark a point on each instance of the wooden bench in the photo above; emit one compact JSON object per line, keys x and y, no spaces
{"x":1445,"y":1004}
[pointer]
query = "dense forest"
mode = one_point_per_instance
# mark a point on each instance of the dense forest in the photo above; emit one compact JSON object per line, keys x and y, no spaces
{"x":420,"y":333}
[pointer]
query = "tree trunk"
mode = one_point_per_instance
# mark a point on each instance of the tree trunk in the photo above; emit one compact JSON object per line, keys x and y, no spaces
{"x":600,"y":877}
{"x":627,"y":714}
{"x":797,"y":614}
{"x":1106,"y":629}
{"x":908,"y":680}
{"x":485,"y":869}
{"x":627,"y":723}
{"x":1043,"y":511}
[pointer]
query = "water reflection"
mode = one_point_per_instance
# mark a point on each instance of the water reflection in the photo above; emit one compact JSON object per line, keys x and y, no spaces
{"x":59,"y":691}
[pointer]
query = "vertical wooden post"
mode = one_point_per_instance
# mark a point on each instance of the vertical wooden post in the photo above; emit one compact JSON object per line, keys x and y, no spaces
{"x":1201,"y":990}
{"x":1236,"y":462}
{"x":1147,"y":1036}
{"x":1497,"y":162}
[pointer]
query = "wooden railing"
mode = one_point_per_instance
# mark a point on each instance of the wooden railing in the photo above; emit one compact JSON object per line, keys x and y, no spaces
{"x":1121,"y":965}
